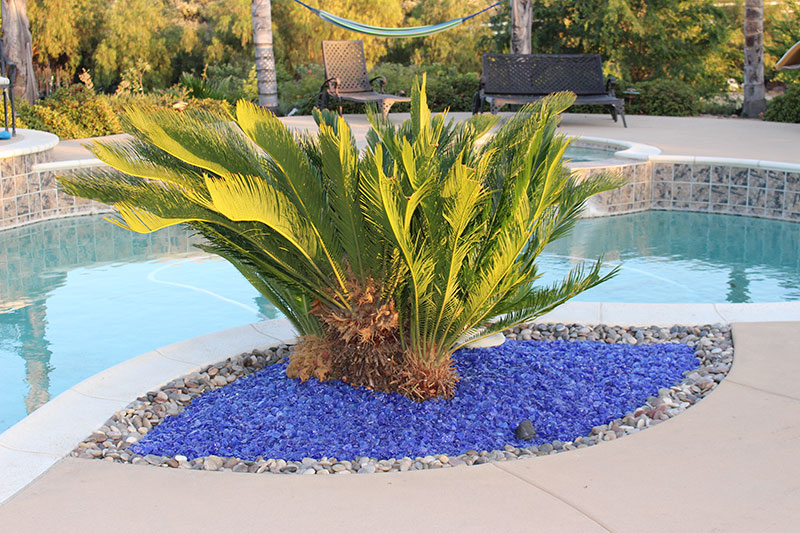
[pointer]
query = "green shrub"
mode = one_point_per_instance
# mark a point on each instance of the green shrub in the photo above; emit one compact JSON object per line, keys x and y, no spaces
{"x":72,"y":113}
{"x":387,"y":260}
{"x":666,"y":98}
{"x":785,"y":108}
{"x":78,"y":112}
{"x":722,"y":105}
{"x":44,"y":118}
{"x":301,"y":92}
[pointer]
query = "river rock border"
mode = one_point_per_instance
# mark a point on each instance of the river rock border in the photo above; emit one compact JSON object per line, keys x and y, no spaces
{"x":111,"y":442}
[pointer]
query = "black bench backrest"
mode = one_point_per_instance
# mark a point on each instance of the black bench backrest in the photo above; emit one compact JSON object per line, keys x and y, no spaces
{"x":345,"y":60}
{"x":534,"y":74}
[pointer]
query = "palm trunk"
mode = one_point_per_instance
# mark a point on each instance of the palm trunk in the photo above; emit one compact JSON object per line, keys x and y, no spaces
{"x":18,"y":47}
{"x":521,"y":22}
{"x":261,"y":11}
{"x":754,"y":93}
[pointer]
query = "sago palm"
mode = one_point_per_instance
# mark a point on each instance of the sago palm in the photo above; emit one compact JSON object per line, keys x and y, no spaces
{"x":385,"y":261}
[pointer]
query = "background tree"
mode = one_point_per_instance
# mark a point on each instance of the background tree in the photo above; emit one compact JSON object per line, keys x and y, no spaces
{"x":521,"y":22}
{"x":299,"y":32}
{"x":639,"y":40}
{"x":755,"y":102}
{"x":460,"y":48}
{"x":265,"y":58}
{"x":18,"y":46}
{"x":56,"y":41}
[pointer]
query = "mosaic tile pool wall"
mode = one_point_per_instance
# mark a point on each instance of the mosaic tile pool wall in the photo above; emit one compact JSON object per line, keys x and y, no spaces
{"x":709,"y":188}
{"x":29,"y":193}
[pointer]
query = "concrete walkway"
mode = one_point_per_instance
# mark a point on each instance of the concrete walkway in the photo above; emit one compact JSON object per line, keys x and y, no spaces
{"x":729,"y":463}
{"x":697,"y":136}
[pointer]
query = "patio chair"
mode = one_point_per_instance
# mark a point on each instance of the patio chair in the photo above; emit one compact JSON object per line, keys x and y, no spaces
{"x":8,"y":75}
{"x":346,"y":77}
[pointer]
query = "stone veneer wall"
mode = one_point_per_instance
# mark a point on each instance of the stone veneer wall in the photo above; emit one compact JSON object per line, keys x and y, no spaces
{"x":727,"y":188}
{"x":29,"y":192}
{"x":723,"y":187}
{"x":636,"y":195}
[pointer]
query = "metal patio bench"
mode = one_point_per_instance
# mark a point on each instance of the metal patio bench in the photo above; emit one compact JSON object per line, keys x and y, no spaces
{"x":346,"y":77}
{"x":524,"y":78}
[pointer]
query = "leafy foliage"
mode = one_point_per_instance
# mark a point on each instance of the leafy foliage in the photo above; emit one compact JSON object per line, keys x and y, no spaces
{"x":664,"y":97}
{"x":785,"y":108}
{"x":74,"y":112}
{"x":385,"y":261}
{"x":639,"y":40}
{"x":78,"y":112}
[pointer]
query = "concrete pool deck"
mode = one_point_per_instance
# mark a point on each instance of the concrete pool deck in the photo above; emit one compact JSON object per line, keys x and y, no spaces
{"x":727,"y":464}
{"x":694,"y":136}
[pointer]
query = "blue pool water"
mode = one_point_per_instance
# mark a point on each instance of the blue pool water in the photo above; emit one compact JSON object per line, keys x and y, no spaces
{"x":80,"y":295}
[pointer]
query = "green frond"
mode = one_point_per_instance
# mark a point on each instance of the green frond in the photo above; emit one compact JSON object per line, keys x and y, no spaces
{"x":139,"y":159}
{"x":141,"y":221}
{"x":204,"y":140}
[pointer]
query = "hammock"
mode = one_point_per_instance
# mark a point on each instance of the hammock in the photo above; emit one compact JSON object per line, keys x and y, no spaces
{"x":377,"y":31}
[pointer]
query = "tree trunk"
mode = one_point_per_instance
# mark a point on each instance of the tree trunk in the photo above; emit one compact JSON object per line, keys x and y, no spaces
{"x":754,"y":93}
{"x":521,"y":22}
{"x":265,"y":59}
{"x":18,"y":47}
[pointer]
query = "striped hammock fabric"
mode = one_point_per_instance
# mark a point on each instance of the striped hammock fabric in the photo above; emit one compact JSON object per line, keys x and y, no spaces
{"x":378,"y":31}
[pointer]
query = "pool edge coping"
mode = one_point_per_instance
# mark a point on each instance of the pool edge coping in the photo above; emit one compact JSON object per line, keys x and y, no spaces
{"x":55,"y":431}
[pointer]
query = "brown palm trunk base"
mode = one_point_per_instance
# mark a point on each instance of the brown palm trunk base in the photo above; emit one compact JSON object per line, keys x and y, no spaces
{"x":362,"y":348}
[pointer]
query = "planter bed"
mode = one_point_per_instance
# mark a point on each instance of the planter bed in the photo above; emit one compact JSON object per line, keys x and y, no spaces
{"x":612,"y":382}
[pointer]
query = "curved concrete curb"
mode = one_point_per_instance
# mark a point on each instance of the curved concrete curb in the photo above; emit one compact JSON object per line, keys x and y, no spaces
{"x":50,"y":433}
{"x":38,"y":441}
{"x":27,"y":142}
{"x":624,"y":149}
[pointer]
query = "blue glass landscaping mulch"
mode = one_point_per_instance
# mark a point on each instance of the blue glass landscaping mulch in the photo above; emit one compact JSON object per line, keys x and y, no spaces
{"x":564,"y":388}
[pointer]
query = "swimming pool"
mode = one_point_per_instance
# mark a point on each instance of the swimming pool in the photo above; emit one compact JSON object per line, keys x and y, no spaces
{"x":80,"y":295}
{"x":684,"y":257}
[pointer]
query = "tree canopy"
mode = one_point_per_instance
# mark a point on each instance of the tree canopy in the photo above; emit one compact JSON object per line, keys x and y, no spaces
{"x":694,"y":41}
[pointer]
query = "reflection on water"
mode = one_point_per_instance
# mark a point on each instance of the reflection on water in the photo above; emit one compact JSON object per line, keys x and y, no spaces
{"x":27,"y":325}
{"x":78,"y":295}
{"x":685,"y":257}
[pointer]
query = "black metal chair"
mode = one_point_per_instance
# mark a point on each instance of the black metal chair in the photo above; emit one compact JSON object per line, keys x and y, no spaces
{"x":346,"y":77}
{"x":8,"y":75}
{"x":523,"y":78}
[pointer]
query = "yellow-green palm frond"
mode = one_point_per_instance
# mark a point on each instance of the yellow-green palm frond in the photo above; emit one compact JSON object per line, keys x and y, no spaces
{"x":141,"y":221}
{"x":139,"y":159}
{"x":205,"y":140}
{"x":241,"y":198}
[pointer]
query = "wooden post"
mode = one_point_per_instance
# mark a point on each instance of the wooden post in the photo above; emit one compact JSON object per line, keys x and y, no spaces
{"x":18,"y":47}
{"x":261,"y":11}
{"x":521,"y":23}
{"x":755,"y":102}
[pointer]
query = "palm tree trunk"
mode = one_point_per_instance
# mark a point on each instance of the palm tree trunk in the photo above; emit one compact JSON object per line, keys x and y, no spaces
{"x":261,"y":11}
{"x":754,"y":93}
{"x":521,"y":22}
{"x":18,"y":47}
